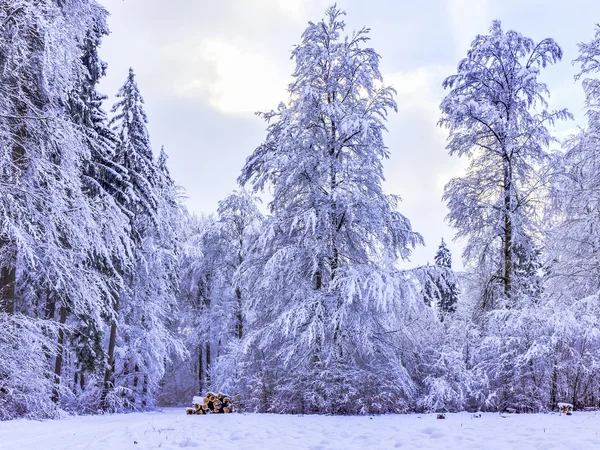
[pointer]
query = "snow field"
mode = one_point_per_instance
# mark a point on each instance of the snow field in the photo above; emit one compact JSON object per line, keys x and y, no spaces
{"x":172,"y":429}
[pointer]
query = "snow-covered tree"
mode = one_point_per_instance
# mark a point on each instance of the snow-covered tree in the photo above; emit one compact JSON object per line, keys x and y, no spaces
{"x":572,"y":247}
{"x":496,"y":113}
{"x":239,"y":223}
{"x":446,"y":286}
{"x":134,"y":151}
{"x":51,"y":225}
{"x":140,"y":339}
{"x":497,"y":116}
{"x":328,"y":305}
{"x":214,"y":303}
{"x":105,"y":183}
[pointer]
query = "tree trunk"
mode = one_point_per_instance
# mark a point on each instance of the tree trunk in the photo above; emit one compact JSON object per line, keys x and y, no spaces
{"x":208,"y":364}
{"x":467,"y":351}
{"x":59,"y":353}
{"x":200,"y":371}
{"x":49,"y":307}
{"x":575,"y":388}
{"x":553,"y":388}
{"x":136,"y":370}
{"x":79,"y":380}
{"x":8,"y":273}
{"x":7,"y":290}
{"x":508,"y":230}
{"x":110,"y":369}
{"x":145,"y":391}
{"x":239,"y":317}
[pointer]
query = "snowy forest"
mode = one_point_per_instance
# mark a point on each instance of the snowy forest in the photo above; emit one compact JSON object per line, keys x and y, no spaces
{"x":297,"y":295}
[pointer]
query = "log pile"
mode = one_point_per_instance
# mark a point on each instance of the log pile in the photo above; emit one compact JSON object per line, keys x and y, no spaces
{"x":565,"y":408}
{"x":211,"y":404}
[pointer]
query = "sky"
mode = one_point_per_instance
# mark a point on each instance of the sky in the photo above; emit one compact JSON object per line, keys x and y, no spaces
{"x":205,"y":67}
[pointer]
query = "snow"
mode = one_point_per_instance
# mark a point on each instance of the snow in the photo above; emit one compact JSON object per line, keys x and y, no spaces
{"x":172,"y":429}
{"x":563,"y":405}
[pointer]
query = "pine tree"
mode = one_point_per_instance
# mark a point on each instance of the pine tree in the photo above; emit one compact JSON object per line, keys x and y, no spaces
{"x":324,"y":289}
{"x":86,"y":219}
{"x":446,"y":286}
{"x":134,"y":153}
{"x":443,"y":257}
{"x":49,"y":224}
{"x":105,"y":182}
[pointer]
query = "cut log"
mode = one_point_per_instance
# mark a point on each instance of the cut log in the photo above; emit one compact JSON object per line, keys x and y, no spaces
{"x":213,"y":403}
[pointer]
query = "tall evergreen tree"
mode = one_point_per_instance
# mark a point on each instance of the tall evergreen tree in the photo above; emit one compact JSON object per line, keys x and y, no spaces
{"x":446,"y":286}
{"x":134,"y":153}
{"x":105,"y":183}
{"x":49,"y":224}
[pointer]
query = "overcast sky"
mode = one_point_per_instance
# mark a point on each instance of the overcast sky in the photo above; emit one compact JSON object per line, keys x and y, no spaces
{"x":204,"y":67}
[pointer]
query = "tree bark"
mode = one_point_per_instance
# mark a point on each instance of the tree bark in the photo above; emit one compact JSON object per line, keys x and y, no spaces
{"x":136,"y":370}
{"x":49,"y":307}
{"x":7,"y":290}
{"x":553,"y":387}
{"x":145,"y":391}
{"x":59,"y":353}
{"x":200,"y":371}
{"x":8,"y":273}
{"x":110,"y":369}
{"x":508,"y":229}
{"x":208,"y":364}
{"x":574,"y":400}
{"x":239,"y":317}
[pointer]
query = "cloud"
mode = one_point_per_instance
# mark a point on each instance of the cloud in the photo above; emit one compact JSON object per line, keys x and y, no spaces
{"x":231,"y":55}
{"x":291,"y":7}
{"x":467,"y":19}
{"x":419,"y":89}
{"x":420,"y":166}
{"x":237,"y":80}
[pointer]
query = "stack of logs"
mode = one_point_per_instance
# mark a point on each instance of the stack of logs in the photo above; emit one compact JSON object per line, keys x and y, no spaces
{"x":213,"y":404}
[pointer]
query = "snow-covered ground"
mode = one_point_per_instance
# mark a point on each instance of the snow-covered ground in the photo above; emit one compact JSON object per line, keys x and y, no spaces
{"x":172,"y":429}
